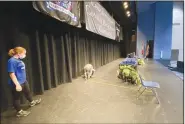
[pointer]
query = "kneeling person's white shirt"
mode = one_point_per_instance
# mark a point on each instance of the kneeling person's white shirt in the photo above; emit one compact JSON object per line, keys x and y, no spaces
{"x":88,"y":70}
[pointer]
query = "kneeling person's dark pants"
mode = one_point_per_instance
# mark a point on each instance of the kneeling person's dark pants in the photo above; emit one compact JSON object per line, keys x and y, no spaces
{"x":17,"y":95}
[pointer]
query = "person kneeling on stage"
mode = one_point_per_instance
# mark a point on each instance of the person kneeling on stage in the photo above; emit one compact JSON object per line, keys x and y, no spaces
{"x":88,"y":71}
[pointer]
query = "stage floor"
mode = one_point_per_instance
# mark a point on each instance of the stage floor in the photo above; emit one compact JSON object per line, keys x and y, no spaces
{"x":106,"y":99}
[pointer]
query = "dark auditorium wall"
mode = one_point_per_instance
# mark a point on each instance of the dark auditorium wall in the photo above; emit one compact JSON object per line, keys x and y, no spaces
{"x":127,"y":45}
{"x":56,"y":52}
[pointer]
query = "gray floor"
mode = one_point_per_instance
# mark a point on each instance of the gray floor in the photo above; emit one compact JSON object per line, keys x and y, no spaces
{"x":106,"y":99}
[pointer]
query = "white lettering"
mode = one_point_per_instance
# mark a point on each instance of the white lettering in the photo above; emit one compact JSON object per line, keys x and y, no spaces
{"x":59,"y":8}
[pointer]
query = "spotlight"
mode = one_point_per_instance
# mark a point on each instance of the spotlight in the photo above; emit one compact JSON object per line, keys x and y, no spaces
{"x":125,"y":3}
{"x":125,"y":6}
{"x":128,"y":12}
{"x":128,"y":15}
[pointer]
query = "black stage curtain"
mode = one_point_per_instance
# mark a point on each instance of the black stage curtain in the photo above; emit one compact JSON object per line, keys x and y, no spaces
{"x":56,"y":52}
{"x":126,"y":45}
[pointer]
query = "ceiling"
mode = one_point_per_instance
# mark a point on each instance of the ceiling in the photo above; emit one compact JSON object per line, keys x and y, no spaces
{"x":116,"y":9}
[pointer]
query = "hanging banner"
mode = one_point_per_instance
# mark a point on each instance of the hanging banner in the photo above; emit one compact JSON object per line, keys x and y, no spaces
{"x":117,"y":32}
{"x":98,"y":20}
{"x":65,"y":11}
{"x":121,"y":33}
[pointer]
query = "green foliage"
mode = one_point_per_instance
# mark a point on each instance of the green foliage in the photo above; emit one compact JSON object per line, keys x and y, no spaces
{"x":127,"y":71}
{"x":141,"y":62}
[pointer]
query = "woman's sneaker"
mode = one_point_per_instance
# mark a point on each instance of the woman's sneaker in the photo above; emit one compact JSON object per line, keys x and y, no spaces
{"x":35,"y":102}
{"x":22,"y":113}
